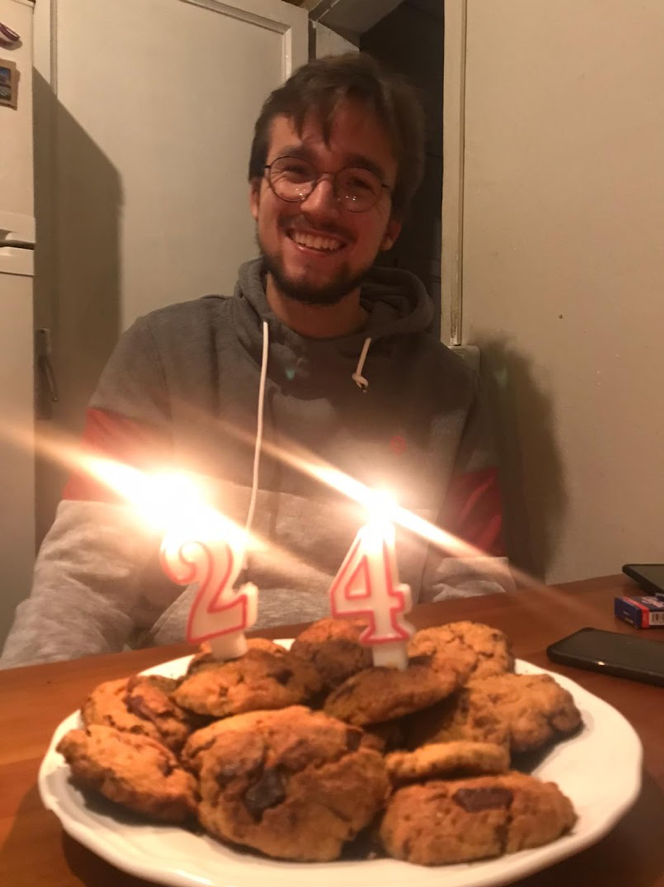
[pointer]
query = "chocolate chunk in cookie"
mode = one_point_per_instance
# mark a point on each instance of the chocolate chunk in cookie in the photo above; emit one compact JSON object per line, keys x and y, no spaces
{"x":132,"y":770}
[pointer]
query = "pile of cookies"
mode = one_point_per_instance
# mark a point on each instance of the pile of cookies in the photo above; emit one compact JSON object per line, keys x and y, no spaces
{"x":313,"y":753}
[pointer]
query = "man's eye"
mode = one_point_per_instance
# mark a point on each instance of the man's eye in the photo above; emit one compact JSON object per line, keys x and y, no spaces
{"x":294,"y":171}
{"x":360,"y":184}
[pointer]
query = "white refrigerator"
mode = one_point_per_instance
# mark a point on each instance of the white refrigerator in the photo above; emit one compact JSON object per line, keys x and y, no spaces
{"x":17,"y":243}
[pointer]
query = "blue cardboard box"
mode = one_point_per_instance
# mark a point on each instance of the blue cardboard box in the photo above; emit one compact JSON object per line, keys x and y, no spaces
{"x":646,"y":611}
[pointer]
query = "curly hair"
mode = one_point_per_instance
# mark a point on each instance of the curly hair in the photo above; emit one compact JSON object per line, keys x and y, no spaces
{"x":321,"y":85}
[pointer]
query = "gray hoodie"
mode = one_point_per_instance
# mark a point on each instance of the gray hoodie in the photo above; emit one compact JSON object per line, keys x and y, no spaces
{"x":182,"y":387}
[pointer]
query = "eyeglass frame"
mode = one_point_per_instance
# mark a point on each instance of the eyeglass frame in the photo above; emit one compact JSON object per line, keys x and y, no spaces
{"x":319,"y":176}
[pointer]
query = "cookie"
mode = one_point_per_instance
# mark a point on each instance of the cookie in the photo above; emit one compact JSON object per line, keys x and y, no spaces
{"x":143,"y":705}
{"x":294,"y":784}
{"x":536,"y":709}
{"x":333,"y":646}
{"x":261,"y":679}
{"x":382,"y":694}
{"x":204,"y":659}
{"x":442,"y":759}
{"x":203,"y":739}
{"x":468,"y":819}
{"x":132,"y":770}
{"x":467,"y":716}
{"x":476,"y":650}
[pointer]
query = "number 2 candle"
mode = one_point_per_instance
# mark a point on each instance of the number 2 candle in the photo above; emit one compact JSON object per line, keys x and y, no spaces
{"x":211,"y":553}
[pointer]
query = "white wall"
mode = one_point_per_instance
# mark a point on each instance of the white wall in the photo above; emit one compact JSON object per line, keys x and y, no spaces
{"x":563,"y":271}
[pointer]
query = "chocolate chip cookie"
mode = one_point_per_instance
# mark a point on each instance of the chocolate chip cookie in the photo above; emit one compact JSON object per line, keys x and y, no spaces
{"x":295,"y":784}
{"x":476,"y":650}
{"x":143,"y":705}
{"x":442,"y":759}
{"x":536,"y":709}
{"x":132,"y":770}
{"x":465,"y":715}
{"x":333,"y":646}
{"x":381,"y":694}
{"x":204,"y":659}
{"x":261,"y":679}
{"x":468,"y":819}
{"x":201,"y":740}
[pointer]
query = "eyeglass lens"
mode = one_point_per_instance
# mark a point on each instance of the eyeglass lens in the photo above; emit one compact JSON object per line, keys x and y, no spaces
{"x":294,"y":179}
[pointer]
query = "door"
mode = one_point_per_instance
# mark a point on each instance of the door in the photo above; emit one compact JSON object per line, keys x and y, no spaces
{"x":146,"y":108}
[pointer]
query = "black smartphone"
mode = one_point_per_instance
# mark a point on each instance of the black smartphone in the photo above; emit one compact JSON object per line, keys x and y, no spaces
{"x":649,"y":576}
{"x":612,"y":653}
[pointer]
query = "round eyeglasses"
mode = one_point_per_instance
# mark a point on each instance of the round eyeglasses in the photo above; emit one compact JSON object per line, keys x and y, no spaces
{"x":292,"y":179}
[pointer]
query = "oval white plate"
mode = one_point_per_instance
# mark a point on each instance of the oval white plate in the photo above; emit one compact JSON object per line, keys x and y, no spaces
{"x":584,"y":767}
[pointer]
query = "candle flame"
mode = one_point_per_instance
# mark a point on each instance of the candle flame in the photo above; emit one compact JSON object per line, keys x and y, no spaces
{"x":381,"y":506}
{"x":167,"y":501}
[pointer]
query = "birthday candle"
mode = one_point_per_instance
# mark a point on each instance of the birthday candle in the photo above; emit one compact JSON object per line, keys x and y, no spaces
{"x":367,"y":586}
{"x":211,"y":553}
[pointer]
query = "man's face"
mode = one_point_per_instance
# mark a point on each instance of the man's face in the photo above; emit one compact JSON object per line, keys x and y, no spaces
{"x":323,"y":276}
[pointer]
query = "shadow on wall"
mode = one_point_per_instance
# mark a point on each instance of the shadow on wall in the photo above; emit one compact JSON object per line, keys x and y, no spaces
{"x":78,"y":201}
{"x":531,"y":466}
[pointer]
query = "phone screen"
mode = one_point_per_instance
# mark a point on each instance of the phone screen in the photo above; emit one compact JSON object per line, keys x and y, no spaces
{"x":611,"y":652}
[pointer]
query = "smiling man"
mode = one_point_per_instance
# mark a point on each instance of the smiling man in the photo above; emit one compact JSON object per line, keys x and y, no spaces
{"x":323,"y":213}
{"x":329,"y":355}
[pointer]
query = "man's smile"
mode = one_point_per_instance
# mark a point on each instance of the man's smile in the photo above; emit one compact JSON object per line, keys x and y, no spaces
{"x":318,"y":241}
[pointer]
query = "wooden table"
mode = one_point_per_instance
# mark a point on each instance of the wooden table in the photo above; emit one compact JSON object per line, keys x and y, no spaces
{"x":33,"y":700}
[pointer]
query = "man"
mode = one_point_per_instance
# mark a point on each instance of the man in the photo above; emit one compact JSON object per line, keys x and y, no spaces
{"x":334,"y":359}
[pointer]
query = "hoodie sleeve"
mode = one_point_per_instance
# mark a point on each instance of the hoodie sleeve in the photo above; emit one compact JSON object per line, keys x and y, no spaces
{"x":472,"y":512}
{"x":87,"y":586}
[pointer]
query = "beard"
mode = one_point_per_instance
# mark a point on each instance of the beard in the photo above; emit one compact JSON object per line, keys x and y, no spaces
{"x":330,"y":293}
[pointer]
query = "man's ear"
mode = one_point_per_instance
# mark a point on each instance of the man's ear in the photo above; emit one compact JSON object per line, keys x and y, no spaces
{"x":391,"y":233}
{"x":254,"y":197}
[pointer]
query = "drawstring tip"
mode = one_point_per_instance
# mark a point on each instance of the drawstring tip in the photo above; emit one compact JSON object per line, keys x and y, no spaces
{"x":361,"y":382}
{"x":357,"y":376}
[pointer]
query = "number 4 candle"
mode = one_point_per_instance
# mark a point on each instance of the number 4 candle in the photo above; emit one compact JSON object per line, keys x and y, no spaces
{"x":367,"y":585}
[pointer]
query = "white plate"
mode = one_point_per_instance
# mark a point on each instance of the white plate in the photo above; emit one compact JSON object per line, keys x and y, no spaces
{"x":584,"y":767}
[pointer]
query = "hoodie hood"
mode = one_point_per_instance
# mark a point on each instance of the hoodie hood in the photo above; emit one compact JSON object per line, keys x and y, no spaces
{"x":396,"y":301}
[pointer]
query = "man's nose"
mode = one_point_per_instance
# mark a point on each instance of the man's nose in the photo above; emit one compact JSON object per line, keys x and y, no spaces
{"x":322,"y":198}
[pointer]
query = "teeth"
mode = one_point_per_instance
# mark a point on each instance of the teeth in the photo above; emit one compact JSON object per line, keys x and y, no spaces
{"x":316,"y":242}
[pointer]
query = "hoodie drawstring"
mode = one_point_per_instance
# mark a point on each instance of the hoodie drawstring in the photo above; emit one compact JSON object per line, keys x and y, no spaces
{"x":357,"y":376}
{"x":259,"y":428}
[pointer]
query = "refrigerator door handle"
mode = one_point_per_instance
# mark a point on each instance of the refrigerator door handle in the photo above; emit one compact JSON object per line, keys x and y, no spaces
{"x":47,"y":388}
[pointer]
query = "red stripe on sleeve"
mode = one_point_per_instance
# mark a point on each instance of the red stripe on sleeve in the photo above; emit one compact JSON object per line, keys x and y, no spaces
{"x":475,"y":512}
{"x":113,"y":436}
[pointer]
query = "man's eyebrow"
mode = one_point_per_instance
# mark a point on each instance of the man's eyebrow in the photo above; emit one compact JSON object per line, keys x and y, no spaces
{"x":359,"y":160}
{"x":300,"y":151}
